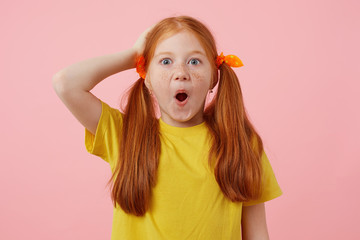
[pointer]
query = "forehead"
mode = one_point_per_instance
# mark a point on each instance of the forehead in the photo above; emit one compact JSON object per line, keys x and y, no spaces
{"x":183,"y":41}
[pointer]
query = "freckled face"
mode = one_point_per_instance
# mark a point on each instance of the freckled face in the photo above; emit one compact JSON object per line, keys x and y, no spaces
{"x":179,"y":75}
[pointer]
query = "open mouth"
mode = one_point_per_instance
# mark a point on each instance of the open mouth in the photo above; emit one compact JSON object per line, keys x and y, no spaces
{"x":181,"y":96}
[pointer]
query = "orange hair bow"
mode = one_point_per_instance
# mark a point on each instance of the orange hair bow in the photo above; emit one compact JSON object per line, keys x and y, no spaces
{"x":140,"y":66}
{"x":231,"y":60}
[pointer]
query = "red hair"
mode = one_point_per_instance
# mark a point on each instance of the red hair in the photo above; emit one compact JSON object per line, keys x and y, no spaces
{"x":236,"y":148}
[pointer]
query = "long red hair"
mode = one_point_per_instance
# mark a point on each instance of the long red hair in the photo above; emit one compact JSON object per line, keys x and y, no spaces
{"x":236,"y":150}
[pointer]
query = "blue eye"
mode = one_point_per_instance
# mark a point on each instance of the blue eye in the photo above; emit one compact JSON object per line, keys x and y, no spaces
{"x":194,"y":61}
{"x":166,"y":61}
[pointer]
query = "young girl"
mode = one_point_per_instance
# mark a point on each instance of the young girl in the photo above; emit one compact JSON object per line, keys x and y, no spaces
{"x":197,"y":172}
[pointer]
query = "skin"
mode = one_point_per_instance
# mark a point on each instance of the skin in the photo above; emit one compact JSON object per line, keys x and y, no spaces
{"x":180,"y":63}
{"x":253,"y":223}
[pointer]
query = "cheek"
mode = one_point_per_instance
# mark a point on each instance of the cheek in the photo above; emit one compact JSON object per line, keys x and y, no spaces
{"x":160,"y":84}
{"x":164,"y":75}
{"x":197,"y":76}
{"x":159,"y":75}
{"x":201,"y":78}
{"x":159,"y":79}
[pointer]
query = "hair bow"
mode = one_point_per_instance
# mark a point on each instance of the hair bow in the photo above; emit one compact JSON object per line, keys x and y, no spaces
{"x":140,"y":66}
{"x":231,"y":60}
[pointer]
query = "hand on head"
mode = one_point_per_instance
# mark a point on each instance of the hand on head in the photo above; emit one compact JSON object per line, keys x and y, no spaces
{"x":140,"y":42}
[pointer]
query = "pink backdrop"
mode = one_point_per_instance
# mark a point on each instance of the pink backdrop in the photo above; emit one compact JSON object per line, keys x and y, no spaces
{"x":300,"y":82}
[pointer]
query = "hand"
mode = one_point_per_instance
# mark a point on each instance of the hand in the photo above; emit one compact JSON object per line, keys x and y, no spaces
{"x":140,"y":42}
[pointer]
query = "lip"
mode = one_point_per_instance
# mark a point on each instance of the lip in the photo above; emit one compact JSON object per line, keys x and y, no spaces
{"x":181,"y":104}
{"x":181,"y":91}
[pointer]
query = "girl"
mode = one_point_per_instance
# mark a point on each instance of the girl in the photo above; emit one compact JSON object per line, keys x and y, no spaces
{"x":197,"y":172}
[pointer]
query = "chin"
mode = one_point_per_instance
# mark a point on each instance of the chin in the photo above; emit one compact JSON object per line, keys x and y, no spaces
{"x":193,"y":120}
{"x":182,"y":120}
{"x":182,"y":117}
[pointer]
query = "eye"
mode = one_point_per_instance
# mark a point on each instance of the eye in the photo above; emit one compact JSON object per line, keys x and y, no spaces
{"x":165,"y":61}
{"x":194,"y":61}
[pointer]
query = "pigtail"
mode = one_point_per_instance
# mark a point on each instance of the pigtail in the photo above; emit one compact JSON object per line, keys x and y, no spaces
{"x":136,"y":169}
{"x":237,"y":162}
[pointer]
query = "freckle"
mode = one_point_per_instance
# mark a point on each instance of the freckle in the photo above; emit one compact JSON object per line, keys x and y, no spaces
{"x":164,"y":75}
{"x":196,"y":77}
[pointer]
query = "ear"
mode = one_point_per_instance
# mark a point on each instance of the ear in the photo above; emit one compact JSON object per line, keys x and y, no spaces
{"x":214,"y":80}
{"x":148,"y":84}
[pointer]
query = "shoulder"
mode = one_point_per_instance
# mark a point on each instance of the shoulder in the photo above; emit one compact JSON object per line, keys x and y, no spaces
{"x":114,"y":112}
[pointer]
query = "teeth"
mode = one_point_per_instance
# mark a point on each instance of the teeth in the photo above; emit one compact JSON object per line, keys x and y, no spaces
{"x":181,"y":96}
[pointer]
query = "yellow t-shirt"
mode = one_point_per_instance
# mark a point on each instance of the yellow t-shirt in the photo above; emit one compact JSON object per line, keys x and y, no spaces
{"x":187,"y":202}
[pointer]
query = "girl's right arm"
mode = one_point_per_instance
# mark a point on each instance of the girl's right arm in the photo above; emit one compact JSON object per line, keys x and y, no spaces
{"x":73,"y":84}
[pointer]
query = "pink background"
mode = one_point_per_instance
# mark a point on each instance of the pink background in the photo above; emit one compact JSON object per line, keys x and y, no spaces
{"x":300,"y":83}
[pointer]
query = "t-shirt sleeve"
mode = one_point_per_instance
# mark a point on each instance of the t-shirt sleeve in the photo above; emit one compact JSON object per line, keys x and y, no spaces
{"x":271,"y":188}
{"x":105,"y":142}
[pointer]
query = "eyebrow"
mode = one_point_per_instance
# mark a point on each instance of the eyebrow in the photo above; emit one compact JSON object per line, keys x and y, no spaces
{"x":170,"y":53}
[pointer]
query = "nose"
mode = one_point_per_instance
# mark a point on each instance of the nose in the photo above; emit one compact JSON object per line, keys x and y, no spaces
{"x":181,"y":72}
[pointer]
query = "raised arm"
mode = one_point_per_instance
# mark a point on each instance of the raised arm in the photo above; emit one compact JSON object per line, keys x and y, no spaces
{"x":73,"y":83}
